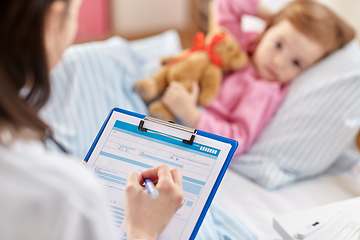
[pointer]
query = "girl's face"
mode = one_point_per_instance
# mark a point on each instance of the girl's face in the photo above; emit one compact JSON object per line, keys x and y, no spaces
{"x":283,"y":52}
{"x":60,"y":28}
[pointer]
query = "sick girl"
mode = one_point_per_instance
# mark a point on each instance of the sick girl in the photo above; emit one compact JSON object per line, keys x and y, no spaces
{"x":301,"y":34}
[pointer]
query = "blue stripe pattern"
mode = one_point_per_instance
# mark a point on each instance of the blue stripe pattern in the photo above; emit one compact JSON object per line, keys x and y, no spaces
{"x":118,"y":217}
{"x":117,"y":208}
{"x":119,"y":213}
{"x":161,"y":160}
{"x":197,"y":148}
{"x":111,"y":180}
{"x":193,"y":180}
{"x":219,"y":223}
{"x":191,"y":188}
{"x":117,"y":221}
{"x":93,"y":78}
{"x":317,"y":121}
{"x":109,"y":175}
{"x":125,"y":160}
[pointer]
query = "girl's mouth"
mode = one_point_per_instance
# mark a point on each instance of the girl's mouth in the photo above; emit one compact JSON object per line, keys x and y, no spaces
{"x":271,"y":72}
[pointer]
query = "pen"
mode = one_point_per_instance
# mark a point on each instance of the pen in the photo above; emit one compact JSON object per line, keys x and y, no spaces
{"x":151,"y":189}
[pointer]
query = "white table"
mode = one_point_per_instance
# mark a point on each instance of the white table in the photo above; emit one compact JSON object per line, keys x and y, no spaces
{"x":288,"y":225}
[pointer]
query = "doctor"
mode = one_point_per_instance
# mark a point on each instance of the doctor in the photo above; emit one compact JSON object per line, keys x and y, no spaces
{"x":45,"y":195}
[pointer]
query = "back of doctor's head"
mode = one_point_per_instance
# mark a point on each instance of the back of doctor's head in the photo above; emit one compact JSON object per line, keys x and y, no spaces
{"x":317,"y":22}
{"x":23,"y":61}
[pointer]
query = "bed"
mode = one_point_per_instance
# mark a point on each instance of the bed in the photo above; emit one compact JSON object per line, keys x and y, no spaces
{"x":93,"y":78}
{"x":257,"y":206}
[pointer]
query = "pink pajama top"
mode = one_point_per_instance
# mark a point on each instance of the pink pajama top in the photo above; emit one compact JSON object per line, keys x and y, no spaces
{"x":246,"y":102}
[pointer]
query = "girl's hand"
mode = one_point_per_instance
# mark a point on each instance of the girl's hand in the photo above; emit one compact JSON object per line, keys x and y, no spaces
{"x":181,"y":103}
{"x":145,"y":217}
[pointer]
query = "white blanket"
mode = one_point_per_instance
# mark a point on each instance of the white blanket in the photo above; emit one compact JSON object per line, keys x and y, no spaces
{"x":257,"y":206}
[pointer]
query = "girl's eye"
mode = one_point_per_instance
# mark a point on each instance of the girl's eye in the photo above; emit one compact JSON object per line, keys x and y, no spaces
{"x":296,"y":63}
{"x":278,"y":45}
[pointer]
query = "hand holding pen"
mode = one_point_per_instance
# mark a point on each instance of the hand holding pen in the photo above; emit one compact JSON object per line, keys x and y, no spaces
{"x":146,"y":217}
{"x":151,"y":189}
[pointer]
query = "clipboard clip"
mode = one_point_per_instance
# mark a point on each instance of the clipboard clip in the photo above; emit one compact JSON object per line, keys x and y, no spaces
{"x":170,"y":124}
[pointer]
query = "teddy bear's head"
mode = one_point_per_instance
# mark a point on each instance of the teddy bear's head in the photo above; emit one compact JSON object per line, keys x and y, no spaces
{"x":231,"y":55}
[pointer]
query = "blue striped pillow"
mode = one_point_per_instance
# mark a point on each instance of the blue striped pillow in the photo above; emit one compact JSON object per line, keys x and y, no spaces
{"x":95,"y":77}
{"x":317,"y":121}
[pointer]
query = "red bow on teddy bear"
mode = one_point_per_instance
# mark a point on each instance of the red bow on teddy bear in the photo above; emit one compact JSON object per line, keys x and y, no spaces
{"x":199,"y":45}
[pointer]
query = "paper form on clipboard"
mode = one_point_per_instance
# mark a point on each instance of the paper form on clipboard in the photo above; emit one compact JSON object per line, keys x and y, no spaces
{"x":130,"y":142}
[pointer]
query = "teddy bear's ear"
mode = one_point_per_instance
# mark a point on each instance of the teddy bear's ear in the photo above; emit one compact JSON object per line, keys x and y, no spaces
{"x":213,"y":32}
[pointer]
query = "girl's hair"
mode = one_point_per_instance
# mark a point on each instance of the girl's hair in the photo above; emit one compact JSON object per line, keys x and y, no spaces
{"x":358,"y":141}
{"x":317,"y":22}
{"x":23,"y":62}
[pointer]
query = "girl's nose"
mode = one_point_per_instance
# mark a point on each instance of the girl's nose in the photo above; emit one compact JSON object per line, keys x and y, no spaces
{"x":278,"y":61}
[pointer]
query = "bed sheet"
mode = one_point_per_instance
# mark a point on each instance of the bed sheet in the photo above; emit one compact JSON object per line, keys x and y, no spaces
{"x":257,"y":206}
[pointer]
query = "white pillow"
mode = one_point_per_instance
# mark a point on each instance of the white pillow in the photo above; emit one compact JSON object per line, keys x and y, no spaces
{"x":317,"y":121}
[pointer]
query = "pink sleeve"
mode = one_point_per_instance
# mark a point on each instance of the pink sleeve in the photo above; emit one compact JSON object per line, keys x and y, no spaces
{"x":228,"y":13}
{"x":245,"y":121}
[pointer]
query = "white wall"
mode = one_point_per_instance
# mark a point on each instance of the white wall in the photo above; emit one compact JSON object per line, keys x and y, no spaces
{"x":141,"y":17}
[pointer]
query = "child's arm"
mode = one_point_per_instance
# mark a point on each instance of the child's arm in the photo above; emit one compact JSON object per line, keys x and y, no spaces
{"x":242,"y":122}
{"x":241,"y":115}
{"x":228,"y":13}
{"x":264,"y":13}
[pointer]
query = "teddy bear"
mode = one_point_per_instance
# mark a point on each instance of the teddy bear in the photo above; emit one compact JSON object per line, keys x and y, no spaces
{"x":204,"y":64}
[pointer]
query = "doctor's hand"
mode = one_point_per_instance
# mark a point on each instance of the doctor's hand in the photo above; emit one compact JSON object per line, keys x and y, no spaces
{"x":145,"y":217}
{"x":182,"y":103}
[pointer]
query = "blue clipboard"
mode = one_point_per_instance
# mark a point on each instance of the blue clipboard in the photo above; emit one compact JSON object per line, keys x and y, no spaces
{"x":233,"y":143}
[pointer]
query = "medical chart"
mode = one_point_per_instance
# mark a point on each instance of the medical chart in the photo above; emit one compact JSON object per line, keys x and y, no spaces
{"x":122,"y":149}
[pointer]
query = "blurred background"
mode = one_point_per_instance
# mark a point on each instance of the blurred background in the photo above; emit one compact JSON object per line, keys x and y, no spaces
{"x":134,"y":19}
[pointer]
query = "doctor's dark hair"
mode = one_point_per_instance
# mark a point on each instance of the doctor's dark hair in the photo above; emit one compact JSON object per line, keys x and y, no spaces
{"x":23,"y":61}
{"x":317,"y":22}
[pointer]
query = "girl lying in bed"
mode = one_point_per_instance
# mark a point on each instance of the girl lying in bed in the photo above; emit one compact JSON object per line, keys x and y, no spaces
{"x":301,"y":34}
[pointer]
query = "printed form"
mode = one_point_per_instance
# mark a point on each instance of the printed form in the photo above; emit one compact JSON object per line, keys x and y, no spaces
{"x":122,"y":149}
